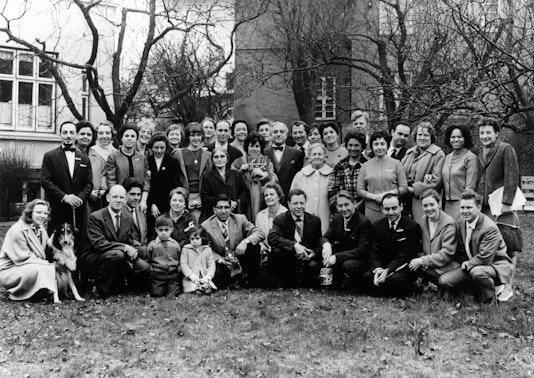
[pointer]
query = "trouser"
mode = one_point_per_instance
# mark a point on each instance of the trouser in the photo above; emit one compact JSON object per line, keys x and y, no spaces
{"x":112,"y":272}
{"x":399,"y":284}
{"x":349,"y":274}
{"x":250,"y":265}
{"x":291,"y":272}
{"x":483,"y":277}
{"x":165,"y":282}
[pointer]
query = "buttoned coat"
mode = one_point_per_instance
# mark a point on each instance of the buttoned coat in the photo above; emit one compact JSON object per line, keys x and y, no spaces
{"x":439,"y":250}
{"x":196,"y":262}
{"x":239,"y":228}
{"x":486,"y":246}
{"x":162,"y":181}
{"x":205,"y":165}
{"x":117,"y":168}
{"x":314,"y":182}
{"x":354,"y":242}
{"x":498,"y":169}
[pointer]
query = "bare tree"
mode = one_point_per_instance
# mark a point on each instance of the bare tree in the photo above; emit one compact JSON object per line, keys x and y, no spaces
{"x":164,"y":20}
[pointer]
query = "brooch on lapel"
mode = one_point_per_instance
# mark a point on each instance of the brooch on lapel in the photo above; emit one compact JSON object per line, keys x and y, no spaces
{"x":163,"y":168}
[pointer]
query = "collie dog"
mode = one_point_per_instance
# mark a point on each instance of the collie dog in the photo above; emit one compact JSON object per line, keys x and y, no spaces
{"x":61,"y":252}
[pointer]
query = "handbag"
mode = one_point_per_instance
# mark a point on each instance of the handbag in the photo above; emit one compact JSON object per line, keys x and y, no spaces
{"x":508,"y":224}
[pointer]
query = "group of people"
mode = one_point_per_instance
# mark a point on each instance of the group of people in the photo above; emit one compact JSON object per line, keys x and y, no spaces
{"x":192,"y":210}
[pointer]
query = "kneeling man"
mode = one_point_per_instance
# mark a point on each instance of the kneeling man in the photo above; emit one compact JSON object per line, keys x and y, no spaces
{"x":481,"y":251}
{"x":349,"y":242}
{"x":108,"y":256}
{"x":397,"y":242}
{"x":233,"y":236}
{"x":296,"y":241}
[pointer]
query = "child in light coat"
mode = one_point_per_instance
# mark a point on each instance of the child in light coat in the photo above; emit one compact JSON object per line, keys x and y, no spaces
{"x":197,"y":263}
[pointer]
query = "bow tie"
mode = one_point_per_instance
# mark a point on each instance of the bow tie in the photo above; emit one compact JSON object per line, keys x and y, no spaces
{"x":279,"y":148}
{"x":68,"y":148}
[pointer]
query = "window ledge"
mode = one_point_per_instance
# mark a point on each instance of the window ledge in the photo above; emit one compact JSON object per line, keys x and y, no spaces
{"x":30,"y":135}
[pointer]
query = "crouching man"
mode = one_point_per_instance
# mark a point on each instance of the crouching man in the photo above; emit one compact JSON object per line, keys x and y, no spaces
{"x":108,"y":257}
{"x":481,"y":252}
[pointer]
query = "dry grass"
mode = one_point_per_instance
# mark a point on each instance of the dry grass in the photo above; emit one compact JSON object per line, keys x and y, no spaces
{"x":255,"y":333}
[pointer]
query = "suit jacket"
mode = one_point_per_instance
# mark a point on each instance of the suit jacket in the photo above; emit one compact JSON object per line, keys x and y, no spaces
{"x":291,"y":162}
{"x":439,"y":250}
{"x":139,"y":231}
{"x":499,"y":169}
{"x":239,"y":228}
{"x":282,"y":235}
{"x":56,"y":181}
{"x":487,"y":247}
{"x":391,"y":250}
{"x":162,"y":181}
{"x":356,"y":243}
{"x":400,"y":155}
{"x":233,"y":152}
{"x":101,"y":235}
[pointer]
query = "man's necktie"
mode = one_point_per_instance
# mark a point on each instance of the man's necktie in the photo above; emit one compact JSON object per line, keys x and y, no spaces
{"x":224,"y":229}
{"x":279,"y":148}
{"x":392,"y":226}
{"x":298,"y":230}
{"x":69,"y":148}
{"x":117,"y":223}
{"x":468,"y":233}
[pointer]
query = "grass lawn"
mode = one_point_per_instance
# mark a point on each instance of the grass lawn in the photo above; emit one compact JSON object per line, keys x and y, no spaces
{"x":254,"y":333}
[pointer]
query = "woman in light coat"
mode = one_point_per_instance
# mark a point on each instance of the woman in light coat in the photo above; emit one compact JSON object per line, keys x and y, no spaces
{"x":439,"y":240}
{"x":24,"y":270}
{"x":423,"y":164}
{"x":313,"y":179}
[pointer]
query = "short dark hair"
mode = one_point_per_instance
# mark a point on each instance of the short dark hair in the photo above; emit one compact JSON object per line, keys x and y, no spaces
{"x":312,"y":127}
{"x":431,"y":193}
{"x":332,"y":124}
{"x":26,"y":215}
{"x":489,"y":121}
{"x":425,"y":125}
{"x":469,"y":194}
{"x":158,"y":137}
{"x":380,"y":134}
{"x":234,"y":124}
{"x":296,"y":192}
{"x":301,"y":123}
{"x":66,"y":123}
{"x":353,"y":134}
{"x":222,"y":197}
{"x":345,"y":194}
{"x":466,"y":133}
{"x":86,"y":124}
{"x":192,"y":128}
{"x":262,"y":122}
{"x":183,"y":191}
{"x":200,"y":231}
{"x":132,"y":182}
{"x":252,"y":138}
{"x":126,"y":127}
{"x":164,"y":221}
{"x":390,"y":195}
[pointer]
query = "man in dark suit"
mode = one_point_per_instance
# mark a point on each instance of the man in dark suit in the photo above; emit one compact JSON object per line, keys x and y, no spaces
{"x":67,"y":180}
{"x":233,"y":235}
{"x":108,"y":256}
{"x":297,"y":244}
{"x":134,"y":190}
{"x":397,"y":241}
{"x":287,"y":160}
{"x":222,"y":133}
{"x":481,"y":252}
{"x":350,"y":236}
{"x":399,"y":136}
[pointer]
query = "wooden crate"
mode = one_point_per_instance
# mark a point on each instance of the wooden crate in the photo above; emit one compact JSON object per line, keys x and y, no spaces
{"x":527,"y":186}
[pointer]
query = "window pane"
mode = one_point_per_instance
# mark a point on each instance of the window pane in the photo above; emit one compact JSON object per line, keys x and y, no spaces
{"x":6,"y":103}
{"x":44,"y":69}
{"x":25,"y":109}
{"x":44,"y":107}
{"x":26,"y":64}
{"x":6,"y":62}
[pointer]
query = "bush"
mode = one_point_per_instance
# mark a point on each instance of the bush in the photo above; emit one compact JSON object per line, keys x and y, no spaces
{"x":15,"y":162}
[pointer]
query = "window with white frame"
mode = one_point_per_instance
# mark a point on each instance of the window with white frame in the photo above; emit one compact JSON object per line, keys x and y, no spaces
{"x":325,"y":106}
{"x":27,"y":92}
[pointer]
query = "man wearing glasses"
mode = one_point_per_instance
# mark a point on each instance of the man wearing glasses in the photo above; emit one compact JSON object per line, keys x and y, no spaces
{"x":235,"y":244}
